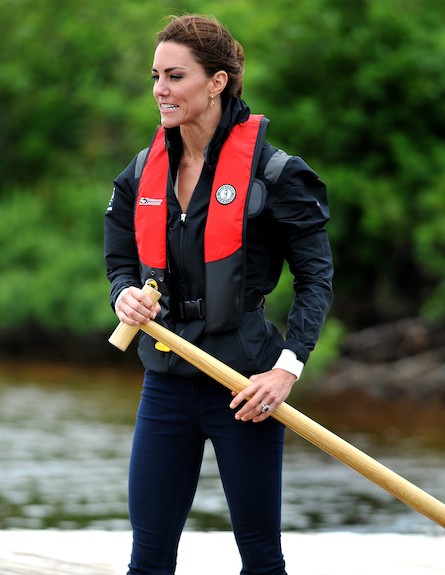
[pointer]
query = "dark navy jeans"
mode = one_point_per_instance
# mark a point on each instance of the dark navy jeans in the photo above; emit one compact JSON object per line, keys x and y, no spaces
{"x":176,"y":415}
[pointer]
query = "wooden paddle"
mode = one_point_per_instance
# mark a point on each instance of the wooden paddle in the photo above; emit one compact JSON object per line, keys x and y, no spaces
{"x":407,"y":492}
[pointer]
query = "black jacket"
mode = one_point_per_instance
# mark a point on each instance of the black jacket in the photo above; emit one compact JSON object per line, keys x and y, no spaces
{"x":289,"y":226}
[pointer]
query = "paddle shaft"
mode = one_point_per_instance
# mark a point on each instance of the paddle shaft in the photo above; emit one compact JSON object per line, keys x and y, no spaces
{"x":407,"y":492}
{"x":315,"y":433}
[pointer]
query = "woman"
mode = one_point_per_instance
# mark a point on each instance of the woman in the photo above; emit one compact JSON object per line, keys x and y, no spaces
{"x":210,"y":211}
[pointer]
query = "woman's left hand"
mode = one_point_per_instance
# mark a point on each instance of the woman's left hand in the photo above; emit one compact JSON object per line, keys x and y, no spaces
{"x":266,"y":389}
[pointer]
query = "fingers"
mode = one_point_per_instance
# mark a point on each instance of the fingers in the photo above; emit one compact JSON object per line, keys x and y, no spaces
{"x":264,"y":394}
{"x":256,"y":409}
{"x":259,"y":403}
{"x":134,"y":307}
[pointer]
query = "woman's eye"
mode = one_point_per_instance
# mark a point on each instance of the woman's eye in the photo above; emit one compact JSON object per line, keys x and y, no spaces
{"x":173,"y":77}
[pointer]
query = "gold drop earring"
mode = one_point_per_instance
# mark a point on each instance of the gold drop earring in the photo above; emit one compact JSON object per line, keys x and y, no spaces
{"x":212,"y":102}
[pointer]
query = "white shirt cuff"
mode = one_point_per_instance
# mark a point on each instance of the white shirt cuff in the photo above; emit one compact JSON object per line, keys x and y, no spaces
{"x":289,"y":362}
{"x":119,"y":296}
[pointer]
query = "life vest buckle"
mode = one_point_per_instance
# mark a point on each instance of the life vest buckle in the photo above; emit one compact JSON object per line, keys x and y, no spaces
{"x":192,"y":309}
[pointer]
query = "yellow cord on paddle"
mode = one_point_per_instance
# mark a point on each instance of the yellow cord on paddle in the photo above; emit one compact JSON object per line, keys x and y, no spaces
{"x":158,"y":345}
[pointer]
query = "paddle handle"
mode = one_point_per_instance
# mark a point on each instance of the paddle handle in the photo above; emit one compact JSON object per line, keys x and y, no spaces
{"x":124,"y":333}
{"x":407,"y":492}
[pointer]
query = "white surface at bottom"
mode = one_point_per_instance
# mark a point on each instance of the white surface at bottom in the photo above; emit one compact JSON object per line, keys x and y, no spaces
{"x":215,"y":553}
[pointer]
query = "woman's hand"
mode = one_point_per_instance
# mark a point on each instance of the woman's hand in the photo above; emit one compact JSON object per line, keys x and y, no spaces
{"x":134,"y":307}
{"x":266,"y":389}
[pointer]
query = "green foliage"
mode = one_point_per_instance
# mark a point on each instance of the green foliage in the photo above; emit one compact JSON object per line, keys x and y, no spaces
{"x":429,"y":240}
{"x":53,"y":261}
{"x":74,"y":78}
{"x":358,"y":89}
{"x":354,"y":86}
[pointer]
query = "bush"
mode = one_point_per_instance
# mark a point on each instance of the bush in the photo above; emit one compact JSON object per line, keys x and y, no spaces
{"x":355,"y":87}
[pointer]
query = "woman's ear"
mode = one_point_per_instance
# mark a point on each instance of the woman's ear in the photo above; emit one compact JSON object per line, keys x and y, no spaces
{"x":219,"y":82}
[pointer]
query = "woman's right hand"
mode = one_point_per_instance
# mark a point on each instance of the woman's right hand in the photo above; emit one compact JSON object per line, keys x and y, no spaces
{"x":134,"y":307}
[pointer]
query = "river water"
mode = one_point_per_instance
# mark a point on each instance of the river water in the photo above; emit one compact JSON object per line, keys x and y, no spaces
{"x":65,"y":438}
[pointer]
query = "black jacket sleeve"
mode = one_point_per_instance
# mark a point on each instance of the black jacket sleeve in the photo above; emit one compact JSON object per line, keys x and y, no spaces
{"x":300,"y":212}
{"x":121,"y":257}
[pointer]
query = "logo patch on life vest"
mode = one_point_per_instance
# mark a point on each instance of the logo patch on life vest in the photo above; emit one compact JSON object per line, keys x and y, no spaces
{"x":150,"y":201}
{"x":225,"y":194}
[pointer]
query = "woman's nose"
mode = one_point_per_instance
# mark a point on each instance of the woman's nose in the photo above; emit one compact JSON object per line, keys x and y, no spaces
{"x":160,"y":88}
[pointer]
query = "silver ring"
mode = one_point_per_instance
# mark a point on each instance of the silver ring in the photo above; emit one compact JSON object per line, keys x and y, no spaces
{"x":264,"y":407}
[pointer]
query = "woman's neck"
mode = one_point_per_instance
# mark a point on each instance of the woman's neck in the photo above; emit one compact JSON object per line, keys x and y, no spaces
{"x":196,"y":138}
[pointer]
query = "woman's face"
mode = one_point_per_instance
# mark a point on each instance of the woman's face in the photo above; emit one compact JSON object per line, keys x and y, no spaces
{"x":181,"y":87}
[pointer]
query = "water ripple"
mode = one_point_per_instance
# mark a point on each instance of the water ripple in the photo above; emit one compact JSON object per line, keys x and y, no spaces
{"x":64,"y":452}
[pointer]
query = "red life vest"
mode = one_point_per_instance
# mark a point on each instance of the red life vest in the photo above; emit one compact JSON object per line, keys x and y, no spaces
{"x":225,"y":225}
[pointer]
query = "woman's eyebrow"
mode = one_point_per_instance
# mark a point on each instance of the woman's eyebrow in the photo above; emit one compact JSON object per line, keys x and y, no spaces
{"x":167,"y":70}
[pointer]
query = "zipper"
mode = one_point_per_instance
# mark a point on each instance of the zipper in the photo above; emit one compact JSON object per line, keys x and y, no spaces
{"x":183,"y":273}
{"x":183,"y":249}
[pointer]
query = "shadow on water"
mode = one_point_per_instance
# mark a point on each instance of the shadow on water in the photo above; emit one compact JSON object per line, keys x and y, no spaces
{"x":65,"y":438}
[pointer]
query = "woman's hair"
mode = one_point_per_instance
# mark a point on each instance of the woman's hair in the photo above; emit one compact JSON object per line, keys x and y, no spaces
{"x":212,"y":46}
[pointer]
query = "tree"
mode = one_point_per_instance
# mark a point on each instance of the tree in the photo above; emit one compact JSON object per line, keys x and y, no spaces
{"x":354,"y":86}
{"x":357,"y":87}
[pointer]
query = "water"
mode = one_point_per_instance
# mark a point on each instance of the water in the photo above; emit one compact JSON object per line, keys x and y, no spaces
{"x":65,"y":439}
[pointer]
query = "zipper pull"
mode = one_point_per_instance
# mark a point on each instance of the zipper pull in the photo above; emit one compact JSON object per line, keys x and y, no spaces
{"x":183,"y":216}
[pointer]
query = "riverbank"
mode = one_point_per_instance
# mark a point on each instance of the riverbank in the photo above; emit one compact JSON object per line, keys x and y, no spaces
{"x":201,"y":553}
{"x":398,"y":361}
{"x":391,"y":374}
